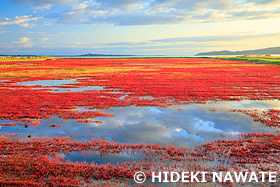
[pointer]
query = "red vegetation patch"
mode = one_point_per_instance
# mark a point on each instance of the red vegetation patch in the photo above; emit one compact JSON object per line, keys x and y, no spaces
{"x":259,"y":149}
{"x":129,"y":82}
{"x":126,"y":82}
{"x":27,"y":162}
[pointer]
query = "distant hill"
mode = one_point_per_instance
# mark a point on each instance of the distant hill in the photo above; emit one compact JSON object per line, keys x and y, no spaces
{"x":90,"y":54}
{"x":266,"y":51}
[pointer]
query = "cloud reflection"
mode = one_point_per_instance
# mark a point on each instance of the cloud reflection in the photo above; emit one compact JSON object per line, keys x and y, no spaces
{"x":188,"y":127}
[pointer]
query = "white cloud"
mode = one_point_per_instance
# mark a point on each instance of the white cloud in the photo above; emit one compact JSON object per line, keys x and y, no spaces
{"x":137,"y":12}
{"x":72,"y":12}
{"x":83,"y":5}
{"x":25,"y":25}
{"x":47,"y":23}
{"x":44,"y":39}
{"x":21,"y":20}
{"x":24,"y":42}
{"x":147,"y":12}
{"x":24,"y":39}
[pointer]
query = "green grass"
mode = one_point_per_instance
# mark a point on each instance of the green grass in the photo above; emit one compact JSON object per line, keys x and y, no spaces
{"x":257,"y":59}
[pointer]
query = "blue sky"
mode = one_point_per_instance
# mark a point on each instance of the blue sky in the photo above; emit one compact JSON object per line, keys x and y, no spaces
{"x":160,"y":27}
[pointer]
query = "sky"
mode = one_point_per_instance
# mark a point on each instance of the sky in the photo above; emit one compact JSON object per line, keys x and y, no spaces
{"x":140,"y":27}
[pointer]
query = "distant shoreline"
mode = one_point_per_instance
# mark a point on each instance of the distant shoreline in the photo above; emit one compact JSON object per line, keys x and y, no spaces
{"x":265,"y":51}
{"x":85,"y":55}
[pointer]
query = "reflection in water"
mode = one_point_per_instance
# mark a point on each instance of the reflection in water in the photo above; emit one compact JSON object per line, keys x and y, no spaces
{"x":193,"y":125}
{"x":48,"y":82}
{"x":78,"y":89}
{"x":188,"y":127}
{"x":53,"y":83}
{"x":258,"y":104}
{"x":90,"y":157}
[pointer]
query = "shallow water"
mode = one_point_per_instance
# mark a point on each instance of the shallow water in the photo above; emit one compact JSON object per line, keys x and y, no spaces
{"x":53,"y":83}
{"x":48,"y":82}
{"x":90,"y":157}
{"x":191,"y":125}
